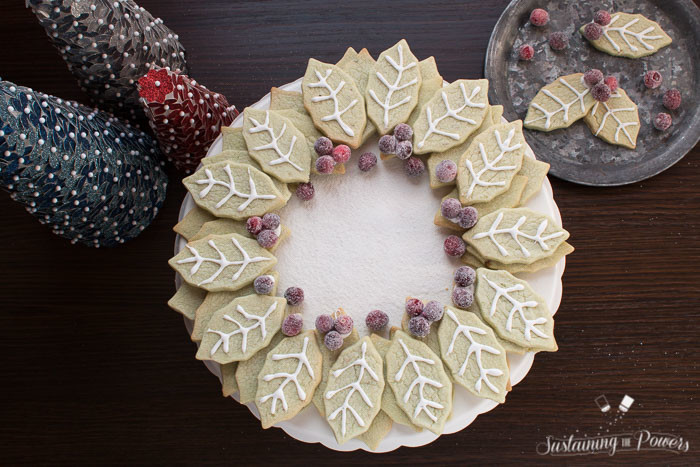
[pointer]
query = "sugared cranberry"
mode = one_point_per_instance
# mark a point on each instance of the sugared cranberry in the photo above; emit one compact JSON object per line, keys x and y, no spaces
{"x":324,"y":323}
{"x":343,"y":324}
{"x":376,"y":320}
{"x":601,"y":17}
{"x":450,"y":207}
{"x":267,"y":238}
{"x":271,"y":221}
{"x":611,"y":82}
{"x":662,"y":121}
{"x":294,"y":295}
{"x":592,"y":77}
{"x":254,"y":225}
{"x":387,"y":144}
{"x":462,"y":297}
{"x":653,"y":79}
{"x":333,"y":340}
{"x":292,"y":324}
{"x":454,"y":246}
{"x":601,"y":92}
{"x":433,"y":311}
{"x":593,"y":31}
{"x":414,"y":307}
{"x":403,"y":132}
{"x":526,"y":52}
{"x":323,"y":146}
{"x":672,"y":99}
{"x":263,"y":285}
{"x":404,"y":149}
{"x":446,"y":171}
{"x":468,"y":216}
{"x":464,"y":276}
{"x":539,"y":17}
{"x":558,"y":40}
{"x":414,"y":167}
{"x":367,"y":161}
{"x":419,"y":326}
{"x":341,"y":154}
{"x":325,"y":165}
{"x":305,"y":191}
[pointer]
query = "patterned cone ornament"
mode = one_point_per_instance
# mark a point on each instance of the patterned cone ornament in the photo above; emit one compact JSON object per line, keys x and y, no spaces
{"x":185,"y":116}
{"x":108,"y":45}
{"x":90,"y":176}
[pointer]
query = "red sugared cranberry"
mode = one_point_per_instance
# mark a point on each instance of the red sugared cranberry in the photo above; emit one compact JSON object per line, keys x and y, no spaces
{"x":593,"y":31}
{"x":592,"y":77}
{"x":672,"y":99}
{"x":343,"y":324}
{"x":611,"y":82}
{"x":305,"y":191}
{"x":468,"y":217}
{"x":341,"y":154}
{"x":419,"y":326}
{"x":414,"y":307}
{"x":325,"y":164}
{"x":446,"y":171}
{"x":464,"y":276}
{"x":526,"y":52}
{"x":294,"y":295}
{"x":462,"y":297}
{"x":271,"y":221}
{"x":267,"y":238}
{"x":376,"y":320}
{"x":292,"y":324}
{"x":403,"y":132}
{"x":454,"y":246}
{"x":653,"y":79}
{"x":450,"y":208}
{"x":323,"y":146}
{"x":539,"y":17}
{"x":558,"y":40}
{"x":414,"y":167}
{"x":324,"y":323}
{"x":601,"y":17}
{"x":263,"y":285}
{"x":254,"y":225}
{"x":367,"y":161}
{"x":601,"y":92}
{"x":662,"y":121}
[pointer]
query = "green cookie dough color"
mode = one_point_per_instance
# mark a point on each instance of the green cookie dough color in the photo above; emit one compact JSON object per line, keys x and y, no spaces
{"x":329,"y":358}
{"x":630,"y":35}
{"x":615,"y":121}
{"x":517,"y":235}
{"x":242,"y":328}
{"x":295,"y":360}
{"x":354,"y":390}
{"x":220,"y":263}
{"x":219,"y":188}
{"x":487,"y":169}
{"x":335,"y":104}
{"x":450,"y":116}
{"x":277,"y":145}
{"x":247,"y":372}
{"x":422,"y":388}
{"x":462,"y":334}
{"x":392,"y":89}
{"x":514,"y":310}
{"x":559,"y":104}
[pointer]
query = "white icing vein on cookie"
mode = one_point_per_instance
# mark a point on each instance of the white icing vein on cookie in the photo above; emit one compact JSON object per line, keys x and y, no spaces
{"x":476,"y":349}
{"x":450,"y":112}
{"x":518,"y":307}
{"x":354,"y":387}
{"x":515,"y":233}
{"x":621,"y":126}
{"x":564,"y":106}
{"x":623,"y":31}
{"x":504,"y":147}
{"x":210,"y":181}
{"x":395,"y":86}
{"x":222,"y":261}
{"x":333,"y":95}
{"x":278,"y":394}
{"x":274,"y":142}
{"x":424,"y":404}
{"x":225,"y":337}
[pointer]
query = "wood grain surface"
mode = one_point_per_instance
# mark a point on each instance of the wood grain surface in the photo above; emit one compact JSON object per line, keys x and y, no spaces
{"x":97,"y":369}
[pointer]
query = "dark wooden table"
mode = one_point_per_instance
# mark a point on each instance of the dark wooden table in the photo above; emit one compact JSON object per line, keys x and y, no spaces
{"x":96,"y":368}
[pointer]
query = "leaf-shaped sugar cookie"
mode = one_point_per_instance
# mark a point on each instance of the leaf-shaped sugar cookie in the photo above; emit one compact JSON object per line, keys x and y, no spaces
{"x":515,"y":236}
{"x":277,"y":145}
{"x":630,"y":35}
{"x":358,"y":65}
{"x":233,"y":190}
{"x":240,"y":329}
{"x":463,"y":336}
{"x":288,"y":379}
{"x":392,"y":89}
{"x":422,"y":388}
{"x":335,"y":104}
{"x":232,"y":139}
{"x":615,"y":121}
{"x":559,"y":104}
{"x":329,"y":358}
{"x":514,"y":310}
{"x":489,"y":165}
{"x":193,"y":221}
{"x":247,"y":371}
{"x":222,"y":262}
{"x":451,"y":115}
{"x":354,"y":390}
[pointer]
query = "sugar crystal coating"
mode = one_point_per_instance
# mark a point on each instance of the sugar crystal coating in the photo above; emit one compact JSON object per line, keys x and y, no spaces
{"x":292,"y":324}
{"x":367,"y":161}
{"x":376,"y":320}
{"x":446,"y":171}
{"x":464,"y":276}
{"x":462,"y":297}
{"x":403,"y":132}
{"x":333,"y":340}
{"x":454,"y":246}
{"x":267,"y":238}
{"x":414,"y":307}
{"x":263,"y":284}
{"x":305,"y":191}
{"x":323,"y":146}
{"x":324,"y":323}
{"x":294,"y":295}
{"x":433,"y":311}
{"x":344,"y":324}
{"x":419,"y":326}
{"x":387,"y":144}
{"x":254,"y":225}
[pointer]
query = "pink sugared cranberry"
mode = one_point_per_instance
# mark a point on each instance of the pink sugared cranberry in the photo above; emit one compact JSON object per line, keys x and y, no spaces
{"x":341,"y":154}
{"x":558,"y":40}
{"x":305,"y":191}
{"x":450,"y":207}
{"x":292,"y":324}
{"x":376,"y":320}
{"x":601,"y":92}
{"x":526,"y":52}
{"x":662,"y":121}
{"x":254,"y":225}
{"x":343,"y":324}
{"x":367,"y":161}
{"x":267,"y":238}
{"x":414,"y":307}
{"x":602,"y":17}
{"x":653,"y":79}
{"x":672,"y":99}
{"x":611,"y":82}
{"x":593,"y":77}
{"x":539,"y":17}
{"x":593,"y":31}
{"x":414,"y":167}
{"x":324,"y":323}
{"x":454,"y":246}
{"x":433,"y":311}
{"x":294,"y":295}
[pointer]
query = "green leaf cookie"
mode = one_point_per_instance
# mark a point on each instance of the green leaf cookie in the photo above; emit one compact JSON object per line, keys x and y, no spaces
{"x":187,"y":299}
{"x":559,"y":104}
{"x":222,"y":262}
{"x":237,"y":331}
{"x":615,"y":121}
{"x":487,"y":168}
{"x":451,"y":115}
{"x":277,"y":145}
{"x":463,"y":335}
{"x":358,"y":65}
{"x":335,"y":104}
{"x":517,"y":235}
{"x":233,"y":190}
{"x":192,"y":222}
{"x":354,"y":390}
{"x":422,"y":388}
{"x":630,"y":35}
{"x":329,"y":358}
{"x":289,"y":378}
{"x":392,"y":88}
{"x":514,"y":310}
{"x":232,"y":139}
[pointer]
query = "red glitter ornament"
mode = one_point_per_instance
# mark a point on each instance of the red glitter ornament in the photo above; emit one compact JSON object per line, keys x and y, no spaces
{"x":185,"y":116}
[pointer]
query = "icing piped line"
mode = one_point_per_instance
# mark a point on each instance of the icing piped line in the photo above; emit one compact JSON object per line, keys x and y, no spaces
{"x":333,"y":95}
{"x":354,"y":387}
{"x":424,"y":404}
{"x":274,"y":142}
{"x":515,"y":232}
{"x":621,"y":126}
{"x":225,"y":337}
{"x":476,"y":349}
{"x":450,"y":112}
{"x":210,"y":181}
{"x":624,"y":32}
{"x":564,"y":106}
{"x":278,"y":394}
{"x":518,"y":307}
{"x":504,"y":147}
{"x":222,"y":261}
{"x":391,"y":88}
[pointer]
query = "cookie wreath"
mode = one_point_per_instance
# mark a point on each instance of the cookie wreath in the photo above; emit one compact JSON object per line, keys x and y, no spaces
{"x":314,"y":373}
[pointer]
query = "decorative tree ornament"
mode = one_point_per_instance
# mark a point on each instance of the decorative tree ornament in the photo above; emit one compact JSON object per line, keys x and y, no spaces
{"x":185,"y":116}
{"x":90,"y":176}
{"x":108,"y":45}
